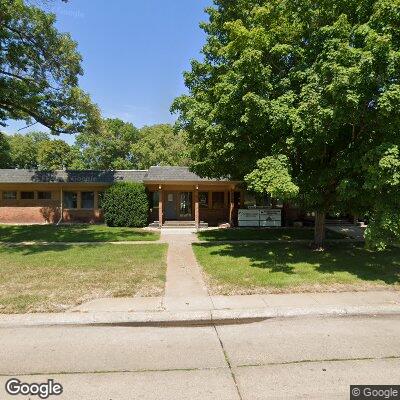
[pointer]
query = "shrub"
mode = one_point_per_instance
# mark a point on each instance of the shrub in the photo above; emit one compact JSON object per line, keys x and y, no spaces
{"x":125,"y":204}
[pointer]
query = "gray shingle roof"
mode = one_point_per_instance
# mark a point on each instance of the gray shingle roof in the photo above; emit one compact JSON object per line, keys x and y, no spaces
{"x":154,"y":174}
{"x":161,"y":174}
{"x":32,"y":176}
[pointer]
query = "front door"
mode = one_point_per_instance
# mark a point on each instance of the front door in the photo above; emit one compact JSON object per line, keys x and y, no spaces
{"x":185,"y":205}
{"x":170,"y":206}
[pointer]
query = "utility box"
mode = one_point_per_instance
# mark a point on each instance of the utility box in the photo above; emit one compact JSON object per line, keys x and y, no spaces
{"x":270,"y":218}
{"x":249,"y":218}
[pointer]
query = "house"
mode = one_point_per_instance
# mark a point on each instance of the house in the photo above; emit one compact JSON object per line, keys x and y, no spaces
{"x":175,"y":194}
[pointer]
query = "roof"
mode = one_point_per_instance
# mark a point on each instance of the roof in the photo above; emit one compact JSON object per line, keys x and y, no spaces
{"x":33,"y":176}
{"x":174,"y":174}
{"x":154,"y":174}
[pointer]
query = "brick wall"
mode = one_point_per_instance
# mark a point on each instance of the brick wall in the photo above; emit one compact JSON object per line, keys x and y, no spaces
{"x":28,"y":215}
{"x":42,"y":215}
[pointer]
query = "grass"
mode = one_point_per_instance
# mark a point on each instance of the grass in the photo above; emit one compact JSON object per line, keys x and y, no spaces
{"x":245,"y":268}
{"x":72,"y":233}
{"x":51,"y":278}
{"x":263,"y":234}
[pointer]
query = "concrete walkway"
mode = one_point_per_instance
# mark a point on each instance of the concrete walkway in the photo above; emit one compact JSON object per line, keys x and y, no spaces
{"x":186,"y":291}
{"x":185,"y":288}
{"x":352,"y":231}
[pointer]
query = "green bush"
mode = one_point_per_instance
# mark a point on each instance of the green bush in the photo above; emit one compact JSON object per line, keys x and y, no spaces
{"x":125,"y":204}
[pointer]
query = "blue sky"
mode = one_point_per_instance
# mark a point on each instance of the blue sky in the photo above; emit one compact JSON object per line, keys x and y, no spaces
{"x":134,"y":53}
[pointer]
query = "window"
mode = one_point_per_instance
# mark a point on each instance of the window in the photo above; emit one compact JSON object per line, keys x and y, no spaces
{"x":27,"y":195}
{"x":44,"y":195}
{"x":87,"y":199}
{"x":155,"y":198}
{"x":70,"y":200}
{"x":218,"y":199}
{"x":203,"y":199}
{"x":9,"y":195}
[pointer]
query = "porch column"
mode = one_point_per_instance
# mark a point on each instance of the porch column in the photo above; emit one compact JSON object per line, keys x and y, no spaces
{"x":231,"y":206}
{"x":160,"y":206}
{"x":196,"y":207}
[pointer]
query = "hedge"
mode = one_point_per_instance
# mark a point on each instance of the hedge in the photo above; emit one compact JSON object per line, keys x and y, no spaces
{"x":125,"y":204}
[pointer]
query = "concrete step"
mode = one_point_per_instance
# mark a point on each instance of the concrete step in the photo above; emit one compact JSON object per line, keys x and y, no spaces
{"x":179,"y":223}
{"x":338,"y":222}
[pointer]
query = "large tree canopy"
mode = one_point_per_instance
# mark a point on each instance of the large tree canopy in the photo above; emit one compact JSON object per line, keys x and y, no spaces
{"x":160,"y":145}
{"x":55,"y":154}
{"x":39,"y":70}
{"x":110,"y":149}
{"x":5,"y":158}
{"x":24,"y":149}
{"x":314,"y":81}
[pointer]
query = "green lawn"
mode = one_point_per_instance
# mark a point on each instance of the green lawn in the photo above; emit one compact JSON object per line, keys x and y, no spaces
{"x":263,"y":234}
{"x":72,"y":233}
{"x":245,"y":268}
{"x":47,"y":278}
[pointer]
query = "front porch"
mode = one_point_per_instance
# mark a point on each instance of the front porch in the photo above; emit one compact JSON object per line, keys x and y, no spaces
{"x":193,"y":205}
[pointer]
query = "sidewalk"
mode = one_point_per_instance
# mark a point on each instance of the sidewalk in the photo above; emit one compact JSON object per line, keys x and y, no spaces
{"x":221,"y":310}
{"x":185,"y":288}
{"x":188,"y":302}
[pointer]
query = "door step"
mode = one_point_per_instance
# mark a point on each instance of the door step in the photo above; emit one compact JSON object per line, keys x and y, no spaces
{"x":338,"y":222}
{"x":179,"y":225}
{"x":190,"y":224}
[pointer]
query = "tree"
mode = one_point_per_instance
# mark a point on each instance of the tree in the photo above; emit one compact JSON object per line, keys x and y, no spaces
{"x":160,"y":145}
{"x":313,"y":82}
{"x":111,"y":149}
{"x":39,"y":70}
{"x":55,"y":154}
{"x":126,"y":204}
{"x":24,"y":149}
{"x":5,"y":158}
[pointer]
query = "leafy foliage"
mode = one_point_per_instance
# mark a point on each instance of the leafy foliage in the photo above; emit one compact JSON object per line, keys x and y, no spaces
{"x":109,"y":149}
{"x":272,"y":176}
{"x":160,"y":145}
{"x":55,"y":154}
{"x":5,"y":158}
{"x":125,"y":204}
{"x":316,"y":82}
{"x":39,"y":69}
{"x":24,"y":149}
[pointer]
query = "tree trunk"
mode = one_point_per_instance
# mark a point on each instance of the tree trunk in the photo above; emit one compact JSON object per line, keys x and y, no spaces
{"x":319,"y":232}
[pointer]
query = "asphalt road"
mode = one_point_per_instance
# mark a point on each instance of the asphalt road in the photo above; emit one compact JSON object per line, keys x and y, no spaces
{"x":310,"y":358}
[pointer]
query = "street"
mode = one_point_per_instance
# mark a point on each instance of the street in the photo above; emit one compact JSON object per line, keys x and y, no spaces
{"x":310,"y":358}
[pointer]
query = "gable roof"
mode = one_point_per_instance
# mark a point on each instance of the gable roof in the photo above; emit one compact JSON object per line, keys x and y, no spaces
{"x":154,"y":174}
{"x":174,"y":174}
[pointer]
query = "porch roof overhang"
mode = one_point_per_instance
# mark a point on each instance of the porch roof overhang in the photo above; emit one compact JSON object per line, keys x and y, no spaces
{"x":191,"y":183}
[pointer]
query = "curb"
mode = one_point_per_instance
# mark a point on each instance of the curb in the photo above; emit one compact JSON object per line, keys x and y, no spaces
{"x":188,"y":318}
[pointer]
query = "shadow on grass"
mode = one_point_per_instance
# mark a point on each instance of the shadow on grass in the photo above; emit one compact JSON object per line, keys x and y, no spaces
{"x":71,"y":233}
{"x":287,"y":258}
{"x":27,"y":250}
{"x":264,"y":234}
